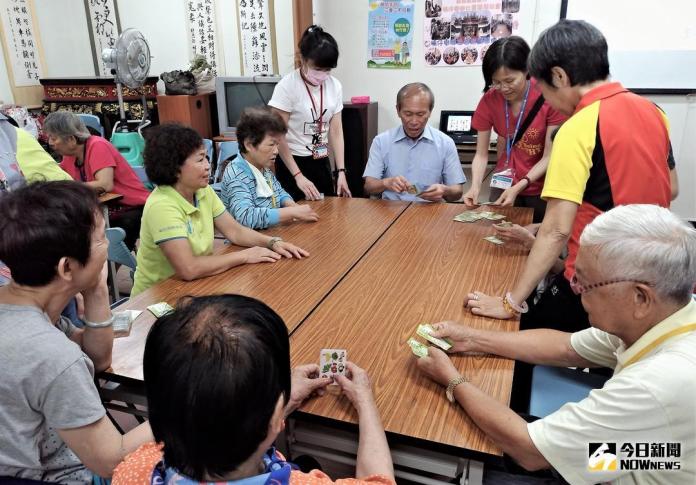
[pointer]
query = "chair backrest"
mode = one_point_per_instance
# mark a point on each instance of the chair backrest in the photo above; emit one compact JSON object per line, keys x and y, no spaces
{"x":118,"y":251}
{"x":92,"y":121}
{"x":208,"y":148}
{"x":142,"y":175}
{"x":227,"y":150}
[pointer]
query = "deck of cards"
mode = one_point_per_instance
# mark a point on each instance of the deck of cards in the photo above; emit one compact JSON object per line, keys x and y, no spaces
{"x":426,"y":330}
{"x":332,"y":362}
{"x":419,"y":349}
{"x":494,"y":240}
{"x":474,"y":215}
{"x":416,"y":189}
{"x":123,"y":320}
{"x":160,"y":309}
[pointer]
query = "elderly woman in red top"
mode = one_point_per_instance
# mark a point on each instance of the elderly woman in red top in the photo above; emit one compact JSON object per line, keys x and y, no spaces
{"x":96,"y":162}
{"x":514,"y":107}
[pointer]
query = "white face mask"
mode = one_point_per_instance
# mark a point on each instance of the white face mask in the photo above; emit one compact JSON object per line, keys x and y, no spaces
{"x":317,"y":77}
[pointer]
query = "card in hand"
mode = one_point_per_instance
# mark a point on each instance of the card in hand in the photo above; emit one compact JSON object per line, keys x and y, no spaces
{"x":332,"y":362}
{"x":425,"y":331}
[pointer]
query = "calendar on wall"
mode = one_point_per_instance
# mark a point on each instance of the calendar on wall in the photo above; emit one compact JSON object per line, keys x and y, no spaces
{"x":21,"y":42}
{"x":104,"y":29}
{"x":256,"y":36}
{"x":202,"y":32}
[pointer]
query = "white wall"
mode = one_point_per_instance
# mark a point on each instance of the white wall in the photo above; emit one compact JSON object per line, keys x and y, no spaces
{"x":64,"y":31}
{"x":454,"y":87}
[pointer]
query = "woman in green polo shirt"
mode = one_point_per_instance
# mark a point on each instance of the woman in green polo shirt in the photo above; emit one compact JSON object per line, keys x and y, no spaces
{"x":182,"y":213}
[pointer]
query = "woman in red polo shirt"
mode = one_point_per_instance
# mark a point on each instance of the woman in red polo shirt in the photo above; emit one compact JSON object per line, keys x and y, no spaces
{"x":513,"y":106}
{"x":96,"y":162}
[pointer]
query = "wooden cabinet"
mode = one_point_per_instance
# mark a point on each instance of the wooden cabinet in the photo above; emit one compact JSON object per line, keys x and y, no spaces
{"x":193,"y":111}
{"x":359,"y":129}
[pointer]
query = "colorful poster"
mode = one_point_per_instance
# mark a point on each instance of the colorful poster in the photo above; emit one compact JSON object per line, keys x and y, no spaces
{"x":458,"y":32}
{"x":390,"y":34}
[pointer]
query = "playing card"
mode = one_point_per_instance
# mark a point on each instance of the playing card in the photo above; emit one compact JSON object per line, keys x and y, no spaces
{"x":124,"y":319}
{"x":412,"y":189}
{"x":494,"y":240}
{"x":495,"y":217}
{"x":160,"y":309}
{"x":504,"y":224}
{"x":332,"y":362}
{"x":418,"y":348}
{"x":468,"y":216}
{"x":321,"y":196}
{"x":425,"y":330}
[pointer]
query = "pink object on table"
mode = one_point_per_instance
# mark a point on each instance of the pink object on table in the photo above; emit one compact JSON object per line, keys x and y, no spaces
{"x":360,"y":99}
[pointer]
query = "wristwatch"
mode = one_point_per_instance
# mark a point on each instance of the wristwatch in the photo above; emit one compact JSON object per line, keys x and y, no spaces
{"x":272,"y":242}
{"x":452,"y":384}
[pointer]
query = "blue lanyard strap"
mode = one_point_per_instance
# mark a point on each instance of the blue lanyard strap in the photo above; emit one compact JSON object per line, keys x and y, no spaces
{"x":508,"y":139}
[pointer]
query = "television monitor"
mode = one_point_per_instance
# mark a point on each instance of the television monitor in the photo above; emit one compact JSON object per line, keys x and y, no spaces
{"x":457,"y":124}
{"x":236,"y":93}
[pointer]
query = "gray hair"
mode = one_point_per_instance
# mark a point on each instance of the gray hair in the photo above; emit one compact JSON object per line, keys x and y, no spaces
{"x":64,"y":124}
{"x":413,"y":89}
{"x":645,"y":243}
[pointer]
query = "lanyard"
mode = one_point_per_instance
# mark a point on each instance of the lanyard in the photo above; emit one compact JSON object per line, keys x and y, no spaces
{"x":273,"y":196}
{"x":508,"y":140}
{"x":651,"y":346}
{"x":320,"y":113}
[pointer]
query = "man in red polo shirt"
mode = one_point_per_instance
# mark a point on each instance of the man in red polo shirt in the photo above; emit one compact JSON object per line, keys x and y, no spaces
{"x":612,"y":151}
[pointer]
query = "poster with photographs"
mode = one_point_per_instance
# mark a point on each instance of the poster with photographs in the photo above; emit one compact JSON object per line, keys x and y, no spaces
{"x":458,"y":32}
{"x":390,"y":34}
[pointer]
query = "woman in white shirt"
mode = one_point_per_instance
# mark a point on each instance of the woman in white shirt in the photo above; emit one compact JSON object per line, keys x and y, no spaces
{"x":310,"y":101}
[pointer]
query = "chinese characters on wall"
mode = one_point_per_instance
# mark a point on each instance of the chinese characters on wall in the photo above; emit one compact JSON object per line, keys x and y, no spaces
{"x":202,"y":32}
{"x":255,"y":30}
{"x":21,"y":42}
{"x":105,"y":31}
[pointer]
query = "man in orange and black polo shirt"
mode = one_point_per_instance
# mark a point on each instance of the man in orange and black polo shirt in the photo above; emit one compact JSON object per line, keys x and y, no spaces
{"x":612,"y":151}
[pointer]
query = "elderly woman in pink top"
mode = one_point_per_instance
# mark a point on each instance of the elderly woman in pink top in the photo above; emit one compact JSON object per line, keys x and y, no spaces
{"x":96,"y":162}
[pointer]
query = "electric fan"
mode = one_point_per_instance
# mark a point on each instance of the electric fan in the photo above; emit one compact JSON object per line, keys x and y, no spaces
{"x":129,"y":61}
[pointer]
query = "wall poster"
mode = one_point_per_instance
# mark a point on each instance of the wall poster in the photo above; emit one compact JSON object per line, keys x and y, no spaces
{"x":390,"y":34}
{"x":458,"y":32}
{"x":104,"y":29}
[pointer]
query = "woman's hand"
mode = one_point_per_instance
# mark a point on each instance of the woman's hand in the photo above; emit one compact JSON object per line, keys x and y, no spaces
{"x":507,"y":198}
{"x":342,"y":189}
{"x":305,"y":382}
{"x":461,"y":336}
{"x":438,"y":366}
{"x":471,"y":196}
{"x":304,"y":213}
{"x":487,"y":306}
{"x":307,"y":187}
{"x":258,"y":254}
{"x":289,"y":250}
{"x":356,"y":386}
{"x":515,"y":234}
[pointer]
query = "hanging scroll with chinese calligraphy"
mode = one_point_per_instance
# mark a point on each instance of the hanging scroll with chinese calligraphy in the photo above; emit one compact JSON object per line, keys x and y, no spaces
{"x":21,"y":42}
{"x":202,"y":31}
{"x":103,"y":32}
{"x":256,"y":36}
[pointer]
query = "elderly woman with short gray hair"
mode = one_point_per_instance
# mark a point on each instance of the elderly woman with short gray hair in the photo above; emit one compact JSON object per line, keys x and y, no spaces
{"x":96,"y":162}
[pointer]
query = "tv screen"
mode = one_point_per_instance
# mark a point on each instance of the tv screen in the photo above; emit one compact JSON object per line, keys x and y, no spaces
{"x":458,"y":123}
{"x":240,"y":95}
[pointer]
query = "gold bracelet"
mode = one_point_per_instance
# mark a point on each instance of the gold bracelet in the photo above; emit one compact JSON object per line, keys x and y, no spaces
{"x":452,"y":385}
{"x":508,"y":307}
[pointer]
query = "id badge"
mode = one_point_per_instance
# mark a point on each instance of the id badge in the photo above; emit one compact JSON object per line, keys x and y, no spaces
{"x":502,"y":180}
{"x":320,"y":150}
{"x":311,"y":128}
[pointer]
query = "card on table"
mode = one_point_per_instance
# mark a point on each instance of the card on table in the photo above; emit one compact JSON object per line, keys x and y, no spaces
{"x":494,"y":240}
{"x":425,"y":331}
{"x":332,"y":362}
{"x":123,"y":320}
{"x":160,"y":309}
{"x":419,"y":349}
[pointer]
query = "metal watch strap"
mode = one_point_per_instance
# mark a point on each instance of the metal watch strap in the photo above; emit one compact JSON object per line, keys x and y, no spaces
{"x":273,"y":241}
{"x":452,"y":385}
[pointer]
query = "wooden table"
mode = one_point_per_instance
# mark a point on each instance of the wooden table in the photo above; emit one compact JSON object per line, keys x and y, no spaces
{"x":345,"y":232}
{"x":419,"y":271}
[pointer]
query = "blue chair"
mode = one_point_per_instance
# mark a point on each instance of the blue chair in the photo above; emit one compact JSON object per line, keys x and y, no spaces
{"x":208,"y":149}
{"x":227,"y":150}
{"x":92,"y":121}
{"x":120,"y":254}
{"x":142,"y":175}
{"x":552,"y":387}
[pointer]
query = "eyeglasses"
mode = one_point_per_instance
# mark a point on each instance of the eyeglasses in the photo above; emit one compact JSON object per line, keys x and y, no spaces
{"x":502,"y":84}
{"x":579,"y":289}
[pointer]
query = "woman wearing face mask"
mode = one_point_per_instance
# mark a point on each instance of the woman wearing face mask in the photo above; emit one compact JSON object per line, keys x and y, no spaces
{"x":310,"y":101}
{"x":514,"y":107}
